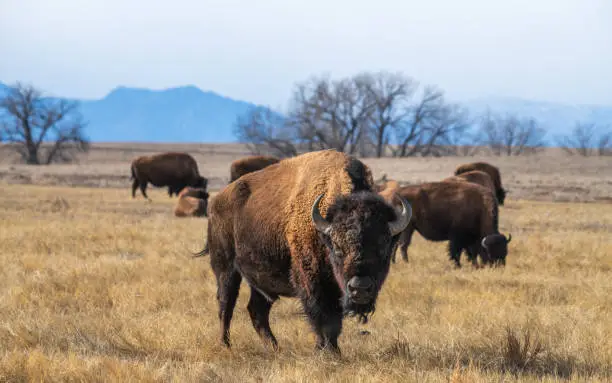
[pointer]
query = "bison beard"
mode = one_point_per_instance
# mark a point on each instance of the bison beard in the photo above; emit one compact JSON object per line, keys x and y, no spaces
{"x":363,"y":312}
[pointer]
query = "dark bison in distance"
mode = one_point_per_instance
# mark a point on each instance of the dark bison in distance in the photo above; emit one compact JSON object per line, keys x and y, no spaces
{"x":309,"y":227}
{"x":463,"y":213}
{"x":250,"y":164}
{"x":475,"y":176}
{"x":175,"y":170}
{"x":492,"y":171}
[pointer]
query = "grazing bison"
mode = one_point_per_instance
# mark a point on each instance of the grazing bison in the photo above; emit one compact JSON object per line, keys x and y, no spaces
{"x":475,"y":176}
{"x":463,"y":213}
{"x":175,"y":170}
{"x":191,"y":202}
{"x":309,"y":227}
{"x":250,"y":164}
{"x":492,"y":171}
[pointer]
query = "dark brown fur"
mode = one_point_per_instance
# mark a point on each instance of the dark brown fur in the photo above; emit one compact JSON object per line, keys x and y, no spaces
{"x":261,"y":229}
{"x":460,"y":212}
{"x":475,"y":176}
{"x":250,"y":164}
{"x":492,"y":171}
{"x":191,"y":202}
{"x":175,"y":170}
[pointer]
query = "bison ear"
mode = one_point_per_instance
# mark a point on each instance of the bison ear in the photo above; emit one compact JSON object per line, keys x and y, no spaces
{"x":320,"y":223}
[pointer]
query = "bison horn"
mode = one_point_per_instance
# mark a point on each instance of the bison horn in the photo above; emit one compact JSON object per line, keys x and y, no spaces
{"x":483,"y":243}
{"x":403,"y":220}
{"x":509,"y":238}
{"x":320,"y":223}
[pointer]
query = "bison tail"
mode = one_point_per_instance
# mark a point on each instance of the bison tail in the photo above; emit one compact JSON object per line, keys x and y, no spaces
{"x":202,"y":252}
{"x":133,"y":173}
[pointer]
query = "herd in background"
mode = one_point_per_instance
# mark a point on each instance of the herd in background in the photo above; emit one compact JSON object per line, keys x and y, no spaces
{"x":317,"y":227}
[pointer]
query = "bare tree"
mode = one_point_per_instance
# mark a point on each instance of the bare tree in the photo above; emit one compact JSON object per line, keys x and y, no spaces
{"x":445,"y":130}
{"x":604,"y":146}
{"x":391,"y":94}
{"x":510,"y":135}
{"x":584,"y":140}
{"x":363,"y":114}
{"x":265,"y":131}
{"x":431,"y":125}
{"x":331,"y":114}
{"x":41,"y":130}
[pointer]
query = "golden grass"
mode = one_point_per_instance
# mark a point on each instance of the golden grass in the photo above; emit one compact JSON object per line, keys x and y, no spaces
{"x":95,"y":286}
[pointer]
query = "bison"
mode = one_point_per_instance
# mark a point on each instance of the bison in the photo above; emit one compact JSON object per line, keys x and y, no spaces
{"x":175,"y":170}
{"x":309,"y":227}
{"x":474,"y":176}
{"x":492,"y":171}
{"x":463,"y":213}
{"x":250,"y":164}
{"x":191,"y":202}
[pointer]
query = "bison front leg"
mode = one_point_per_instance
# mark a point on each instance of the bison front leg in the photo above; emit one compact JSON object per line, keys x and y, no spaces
{"x":404,"y":242}
{"x":454,"y":250}
{"x":228,"y":287}
{"x":259,"y":309}
{"x":325,"y":317}
{"x":472,"y":252}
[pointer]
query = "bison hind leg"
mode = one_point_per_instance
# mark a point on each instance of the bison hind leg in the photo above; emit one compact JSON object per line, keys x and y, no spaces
{"x":228,"y":287}
{"x":143,"y":190}
{"x":259,"y":307}
{"x":135,"y":184}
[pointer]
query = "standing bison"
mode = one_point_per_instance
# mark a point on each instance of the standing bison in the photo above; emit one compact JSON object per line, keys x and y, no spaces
{"x":309,"y":227}
{"x":465,"y":214}
{"x":250,"y":164}
{"x":192,"y":202}
{"x":175,"y":170}
{"x":492,"y":171}
{"x":476,"y":177}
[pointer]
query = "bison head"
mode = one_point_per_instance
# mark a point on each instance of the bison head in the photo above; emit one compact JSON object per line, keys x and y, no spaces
{"x":501,"y":196}
{"x":360,"y":233}
{"x":200,"y":182}
{"x":496,"y":248}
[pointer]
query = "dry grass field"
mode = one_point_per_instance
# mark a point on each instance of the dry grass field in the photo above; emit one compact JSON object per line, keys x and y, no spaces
{"x":95,"y":286}
{"x":549,"y":176}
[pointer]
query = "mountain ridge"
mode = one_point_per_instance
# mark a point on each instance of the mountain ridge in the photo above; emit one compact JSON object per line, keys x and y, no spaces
{"x":188,"y":114}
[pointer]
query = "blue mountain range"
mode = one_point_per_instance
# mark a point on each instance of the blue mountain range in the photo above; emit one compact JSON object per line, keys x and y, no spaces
{"x":188,"y":114}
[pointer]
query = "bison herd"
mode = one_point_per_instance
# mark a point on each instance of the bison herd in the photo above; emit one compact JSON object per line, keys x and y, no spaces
{"x":316,"y":227}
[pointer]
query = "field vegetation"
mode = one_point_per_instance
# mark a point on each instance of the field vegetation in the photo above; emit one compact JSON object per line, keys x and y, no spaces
{"x":95,"y":286}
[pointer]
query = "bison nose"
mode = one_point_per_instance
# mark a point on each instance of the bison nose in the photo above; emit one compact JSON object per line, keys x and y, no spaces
{"x":360,"y":289}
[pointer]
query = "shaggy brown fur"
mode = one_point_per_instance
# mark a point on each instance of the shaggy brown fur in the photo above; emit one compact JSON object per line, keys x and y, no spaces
{"x":475,"y":176}
{"x":492,"y":171}
{"x":191,"y":202}
{"x":264,"y":229}
{"x":250,"y":164}
{"x":460,"y":212}
{"x":175,"y":170}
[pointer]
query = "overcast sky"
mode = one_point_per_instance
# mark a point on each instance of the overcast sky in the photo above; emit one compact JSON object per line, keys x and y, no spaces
{"x":556,"y":50}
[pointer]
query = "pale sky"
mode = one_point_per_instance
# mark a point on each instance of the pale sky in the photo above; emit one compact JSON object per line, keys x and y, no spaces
{"x":553,"y":50}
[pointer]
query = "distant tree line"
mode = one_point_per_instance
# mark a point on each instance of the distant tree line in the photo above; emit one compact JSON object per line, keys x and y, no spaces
{"x":389,"y":114}
{"x":371,"y":114}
